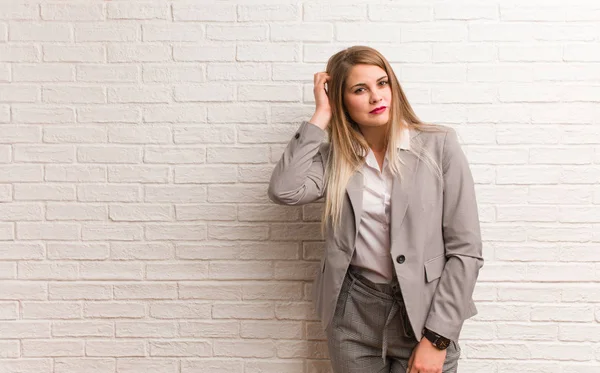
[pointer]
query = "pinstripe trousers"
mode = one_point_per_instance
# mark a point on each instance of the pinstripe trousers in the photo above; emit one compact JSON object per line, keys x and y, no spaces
{"x":370,"y":331}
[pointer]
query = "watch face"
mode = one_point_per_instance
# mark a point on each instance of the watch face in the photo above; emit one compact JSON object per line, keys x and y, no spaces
{"x":442,"y":343}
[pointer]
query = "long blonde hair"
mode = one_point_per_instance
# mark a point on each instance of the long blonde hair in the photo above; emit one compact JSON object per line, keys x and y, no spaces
{"x":347,"y":144}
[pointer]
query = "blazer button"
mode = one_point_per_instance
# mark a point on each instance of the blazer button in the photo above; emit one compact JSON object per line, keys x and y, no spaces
{"x":297,"y":135}
{"x":400,"y":259}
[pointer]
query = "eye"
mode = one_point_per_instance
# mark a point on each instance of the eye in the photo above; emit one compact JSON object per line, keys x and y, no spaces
{"x":384,"y":81}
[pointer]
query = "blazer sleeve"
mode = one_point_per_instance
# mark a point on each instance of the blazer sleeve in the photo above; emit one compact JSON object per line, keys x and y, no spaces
{"x":298,"y":176}
{"x":452,"y":302}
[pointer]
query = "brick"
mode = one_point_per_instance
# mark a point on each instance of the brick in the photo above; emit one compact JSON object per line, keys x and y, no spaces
{"x":48,"y":231}
{"x":183,"y":349}
{"x":109,"y":114}
{"x":153,"y":329}
{"x":154,"y":290}
{"x":234,"y":33}
{"x":87,"y":173}
{"x":275,"y":366}
{"x":111,"y":232}
{"x":212,"y":366}
{"x":43,"y":73}
{"x":210,"y":291}
{"x":237,"y":193}
{"x":341,"y":12}
{"x":143,"y":251}
{"x":46,"y":32}
{"x":176,"y":32}
{"x":137,"y":10}
{"x":51,"y":310}
{"x":72,"y":12}
{"x":280,"y":52}
{"x":66,"y":94}
{"x":175,"y":232}
{"x":7,"y":232}
{"x":99,"y":73}
{"x":186,"y":310}
{"x":76,"y":329}
{"x":268,"y":12}
{"x":10,"y":349}
{"x":35,"y":115}
{"x":205,"y":212}
{"x":44,"y":192}
{"x":25,"y":329}
{"x":241,"y":270}
{"x":116,"y":154}
{"x":73,"y":365}
{"x":143,"y":174}
{"x":107,"y":31}
{"x":78,"y":291}
{"x":205,"y":174}
{"x":114,"y":310}
{"x":138,"y":95}
{"x":238,"y":232}
{"x":173,"y":155}
{"x":204,"y":53}
{"x":248,"y":310}
{"x":75,"y":211}
{"x":208,"y":92}
{"x":20,"y":290}
{"x":115,"y":348}
{"x":202,"y":134}
{"x":44,"y":154}
{"x":244,"y":348}
{"x":271,"y":329}
{"x":19,"y":53}
{"x":242,"y":71}
{"x":173,"y":74}
{"x":175,"y":194}
{"x":177,"y":271}
{"x":134,"y":365}
{"x":21,"y":212}
{"x":204,"y":12}
{"x":175,"y":113}
{"x":16,"y":11}
{"x":274,"y":290}
{"x":138,"y":53}
{"x":77,"y":251}
{"x":139,"y":212}
{"x":19,"y":93}
{"x":525,"y":332}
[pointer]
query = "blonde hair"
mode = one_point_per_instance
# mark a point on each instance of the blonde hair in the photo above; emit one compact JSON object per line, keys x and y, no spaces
{"x":347,"y":144}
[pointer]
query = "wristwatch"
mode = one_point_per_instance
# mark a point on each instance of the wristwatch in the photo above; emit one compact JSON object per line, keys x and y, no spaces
{"x":441,"y":343}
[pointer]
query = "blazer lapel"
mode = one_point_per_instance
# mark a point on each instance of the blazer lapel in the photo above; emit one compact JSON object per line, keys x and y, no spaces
{"x":355,"y":193}
{"x":401,"y":188}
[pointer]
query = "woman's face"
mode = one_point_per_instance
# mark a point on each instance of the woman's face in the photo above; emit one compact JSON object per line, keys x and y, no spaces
{"x":367,"y":88}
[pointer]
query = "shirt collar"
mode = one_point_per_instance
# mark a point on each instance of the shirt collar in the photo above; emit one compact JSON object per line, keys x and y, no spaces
{"x":403,"y":144}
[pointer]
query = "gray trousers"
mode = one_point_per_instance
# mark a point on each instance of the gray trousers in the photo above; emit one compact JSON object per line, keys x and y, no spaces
{"x":370,"y":332}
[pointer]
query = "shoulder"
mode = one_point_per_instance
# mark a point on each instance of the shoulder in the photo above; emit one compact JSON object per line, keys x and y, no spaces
{"x":438,"y":136}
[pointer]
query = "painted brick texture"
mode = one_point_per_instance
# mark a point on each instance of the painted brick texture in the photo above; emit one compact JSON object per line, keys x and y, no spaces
{"x":136,"y":143}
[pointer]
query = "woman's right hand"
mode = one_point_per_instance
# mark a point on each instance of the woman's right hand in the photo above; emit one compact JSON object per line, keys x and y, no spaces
{"x":322,"y":114}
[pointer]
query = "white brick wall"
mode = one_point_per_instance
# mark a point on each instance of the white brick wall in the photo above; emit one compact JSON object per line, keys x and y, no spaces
{"x":136,"y":143}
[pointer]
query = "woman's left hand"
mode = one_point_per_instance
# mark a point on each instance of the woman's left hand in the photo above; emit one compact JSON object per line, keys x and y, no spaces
{"x":425,"y":358}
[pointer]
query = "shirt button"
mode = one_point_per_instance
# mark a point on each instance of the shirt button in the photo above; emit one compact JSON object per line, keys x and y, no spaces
{"x":400,"y":259}
{"x":297,"y":135}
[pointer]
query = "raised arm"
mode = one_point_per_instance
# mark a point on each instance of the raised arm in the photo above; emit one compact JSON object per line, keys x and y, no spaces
{"x":298,"y":176}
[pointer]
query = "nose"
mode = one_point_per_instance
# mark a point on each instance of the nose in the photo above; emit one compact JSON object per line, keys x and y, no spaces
{"x":375,"y":98}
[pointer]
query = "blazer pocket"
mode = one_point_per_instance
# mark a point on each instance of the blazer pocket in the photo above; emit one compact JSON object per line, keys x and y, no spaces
{"x":434,"y":268}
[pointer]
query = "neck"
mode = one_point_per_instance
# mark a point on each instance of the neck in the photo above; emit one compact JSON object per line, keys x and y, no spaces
{"x":375,"y":137}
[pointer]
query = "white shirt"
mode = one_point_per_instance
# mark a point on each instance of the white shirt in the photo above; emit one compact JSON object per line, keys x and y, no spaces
{"x":372,"y":253}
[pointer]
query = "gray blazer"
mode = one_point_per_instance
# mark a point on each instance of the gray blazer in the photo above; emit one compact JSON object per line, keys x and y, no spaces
{"x":435,"y":234}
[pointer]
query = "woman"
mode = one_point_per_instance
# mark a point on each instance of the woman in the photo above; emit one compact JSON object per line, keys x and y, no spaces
{"x":402,"y":238}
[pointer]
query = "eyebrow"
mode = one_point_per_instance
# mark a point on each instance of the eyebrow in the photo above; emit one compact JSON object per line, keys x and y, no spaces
{"x":383,"y":77}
